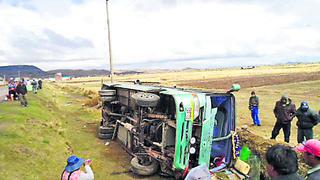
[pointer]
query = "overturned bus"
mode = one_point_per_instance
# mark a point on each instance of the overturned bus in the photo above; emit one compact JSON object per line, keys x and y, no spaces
{"x":169,"y":130}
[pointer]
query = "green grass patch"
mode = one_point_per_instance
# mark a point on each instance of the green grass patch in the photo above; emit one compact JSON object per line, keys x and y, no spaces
{"x":36,"y":141}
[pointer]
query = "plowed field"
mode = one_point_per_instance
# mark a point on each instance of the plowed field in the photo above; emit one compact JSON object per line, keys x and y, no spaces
{"x":252,"y":81}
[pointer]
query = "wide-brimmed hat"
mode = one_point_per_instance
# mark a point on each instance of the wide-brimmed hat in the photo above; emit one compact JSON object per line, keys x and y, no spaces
{"x":312,"y":146}
{"x":74,"y":163}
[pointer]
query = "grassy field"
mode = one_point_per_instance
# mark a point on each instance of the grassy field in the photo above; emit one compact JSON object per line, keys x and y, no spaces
{"x":36,"y":141}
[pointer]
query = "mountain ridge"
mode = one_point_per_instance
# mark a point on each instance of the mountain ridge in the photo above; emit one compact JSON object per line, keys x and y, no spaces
{"x":32,"y":71}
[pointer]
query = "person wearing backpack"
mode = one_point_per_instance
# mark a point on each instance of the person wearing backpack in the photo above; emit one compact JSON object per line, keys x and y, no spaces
{"x":72,"y":170}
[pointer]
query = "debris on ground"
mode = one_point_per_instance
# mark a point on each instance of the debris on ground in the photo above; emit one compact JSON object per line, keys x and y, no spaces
{"x":259,"y":146}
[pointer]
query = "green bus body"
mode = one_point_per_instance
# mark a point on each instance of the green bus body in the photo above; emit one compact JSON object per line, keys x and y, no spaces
{"x":185,"y":102}
{"x":185,"y":125}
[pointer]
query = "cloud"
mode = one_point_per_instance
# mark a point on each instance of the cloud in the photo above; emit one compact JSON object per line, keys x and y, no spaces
{"x":60,"y":40}
{"x":154,"y":33}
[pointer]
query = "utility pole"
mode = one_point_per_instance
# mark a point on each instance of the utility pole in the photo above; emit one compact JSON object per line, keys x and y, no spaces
{"x":109,"y":42}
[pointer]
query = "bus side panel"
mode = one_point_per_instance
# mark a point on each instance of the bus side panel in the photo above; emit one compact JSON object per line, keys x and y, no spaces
{"x":207,"y":134}
{"x":184,"y":124}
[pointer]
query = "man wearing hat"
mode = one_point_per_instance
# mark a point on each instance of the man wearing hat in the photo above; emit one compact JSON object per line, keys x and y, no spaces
{"x":311,"y":156}
{"x":72,"y":170}
{"x":307,"y":118}
{"x":284,"y":111}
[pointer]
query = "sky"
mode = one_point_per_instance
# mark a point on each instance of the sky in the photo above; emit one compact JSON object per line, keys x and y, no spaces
{"x":152,"y":34}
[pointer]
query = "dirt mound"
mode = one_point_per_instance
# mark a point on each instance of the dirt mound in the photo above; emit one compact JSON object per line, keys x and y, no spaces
{"x":259,"y":146}
{"x":93,"y":97}
{"x":252,"y":81}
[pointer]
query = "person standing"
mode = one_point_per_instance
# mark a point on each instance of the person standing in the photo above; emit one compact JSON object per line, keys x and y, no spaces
{"x":72,"y":170}
{"x":34,"y":86}
{"x":39,"y":84}
{"x":254,"y":108}
{"x":12,"y":90}
{"x":282,"y":163}
{"x":22,"y":91}
{"x":307,"y":119}
{"x":311,"y":156}
{"x":284,"y":112}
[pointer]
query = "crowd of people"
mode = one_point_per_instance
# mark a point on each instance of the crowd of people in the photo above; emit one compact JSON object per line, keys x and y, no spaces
{"x":282,"y":160}
{"x":284,"y":112}
{"x":17,"y":90}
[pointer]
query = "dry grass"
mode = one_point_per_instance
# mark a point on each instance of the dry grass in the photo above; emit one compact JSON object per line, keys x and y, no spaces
{"x":167,"y":77}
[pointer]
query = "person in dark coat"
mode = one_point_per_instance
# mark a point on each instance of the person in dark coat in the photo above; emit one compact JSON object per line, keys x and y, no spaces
{"x":254,"y":108}
{"x":284,"y":112}
{"x":39,"y":84}
{"x":282,"y":163}
{"x":307,"y":119}
{"x":22,"y":91}
{"x":311,"y":156}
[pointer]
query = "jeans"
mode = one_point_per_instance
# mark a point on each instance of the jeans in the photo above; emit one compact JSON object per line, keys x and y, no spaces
{"x":255,"y":115}
{"x":286,"y":130}
{"x":304,"y":133}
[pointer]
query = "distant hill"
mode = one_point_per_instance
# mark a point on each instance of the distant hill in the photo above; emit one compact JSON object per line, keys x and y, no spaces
{"x":35,"y":72}
{"x":23,"y":70}
{"x":79,"y":72}
{"x":85,"y":73}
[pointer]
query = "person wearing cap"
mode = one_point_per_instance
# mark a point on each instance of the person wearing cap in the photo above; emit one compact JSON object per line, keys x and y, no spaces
{"x":282,"y":163}
{"x":284,"y":112}
{"x":254,"y":108}
{"x":72,"y":170}
{"x":307,"y":119}
{"x":311,"y":156}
